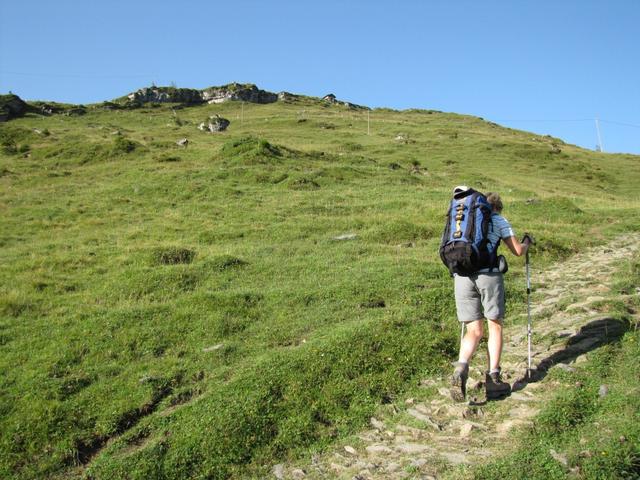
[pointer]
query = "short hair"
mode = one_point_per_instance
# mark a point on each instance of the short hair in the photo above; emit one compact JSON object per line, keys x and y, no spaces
{"x":495,"y":201}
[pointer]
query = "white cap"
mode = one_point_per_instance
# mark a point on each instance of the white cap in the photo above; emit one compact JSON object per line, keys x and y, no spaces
{"x":460,"y":189}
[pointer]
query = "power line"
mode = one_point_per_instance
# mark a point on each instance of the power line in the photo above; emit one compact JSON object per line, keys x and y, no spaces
{"x":548,"y":121}
{"x":72,"y":75}
{"x":620,"y":123}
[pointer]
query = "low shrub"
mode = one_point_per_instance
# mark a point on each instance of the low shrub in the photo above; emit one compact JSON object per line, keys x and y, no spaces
{"x":122,"y":145}
{"x":303,"y":183}
{"x":172,"y":255}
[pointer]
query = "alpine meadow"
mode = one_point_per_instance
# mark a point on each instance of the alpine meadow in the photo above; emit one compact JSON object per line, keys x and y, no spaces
{"x":251,"y":297}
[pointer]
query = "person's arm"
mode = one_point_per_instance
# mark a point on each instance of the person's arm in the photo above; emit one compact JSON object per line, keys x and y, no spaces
{"x":517,"y":248}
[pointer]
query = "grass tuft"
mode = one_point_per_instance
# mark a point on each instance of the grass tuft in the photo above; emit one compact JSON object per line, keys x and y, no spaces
{"x":172,"y":255}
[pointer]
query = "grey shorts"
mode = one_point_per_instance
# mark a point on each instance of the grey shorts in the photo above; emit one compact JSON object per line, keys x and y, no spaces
{"x":483,"y":292}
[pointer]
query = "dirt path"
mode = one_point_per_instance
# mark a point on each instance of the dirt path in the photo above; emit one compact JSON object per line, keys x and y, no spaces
{"x":425,"y":438}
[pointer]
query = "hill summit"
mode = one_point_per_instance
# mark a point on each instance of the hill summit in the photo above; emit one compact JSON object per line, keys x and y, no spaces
{"x":12,"y":106}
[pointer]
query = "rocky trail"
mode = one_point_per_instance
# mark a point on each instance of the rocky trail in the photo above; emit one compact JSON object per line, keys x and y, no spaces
{"x":430,"y":436}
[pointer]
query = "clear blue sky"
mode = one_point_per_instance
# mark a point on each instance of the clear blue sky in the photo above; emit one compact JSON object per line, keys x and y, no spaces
{"x":547,"y":66}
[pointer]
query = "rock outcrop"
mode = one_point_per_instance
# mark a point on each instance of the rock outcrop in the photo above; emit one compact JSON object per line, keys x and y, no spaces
{"x":236,"y":91}
{"x":12,"y":106}
{"x":246,"y":92}
{"x":189,"y":96}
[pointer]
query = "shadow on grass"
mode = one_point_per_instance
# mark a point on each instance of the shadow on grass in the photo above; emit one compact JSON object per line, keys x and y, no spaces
{"x":593,"y":335}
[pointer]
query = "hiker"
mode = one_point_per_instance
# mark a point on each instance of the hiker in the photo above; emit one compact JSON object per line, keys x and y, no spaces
{"x":480,"y":294}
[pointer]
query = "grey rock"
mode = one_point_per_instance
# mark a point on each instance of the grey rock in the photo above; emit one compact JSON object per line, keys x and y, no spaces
{"x":183,"y":142}
{"x":331,"y":98}
{"x":286,"y":97}
{"x":350,"y":450}
{"x":465,"y":430}
{"x":422,"y":417}
{"x":419,"y":462}
{"x":215,"y":124}
{"x":213,"y":347}
{"x":375,"y":423}
{"x":346,"y":236}
{"x":236,"y":91}
{"x":393,"y":467}
{"x":455,"y":458}
{"x":278,"y":471}
{"x":565,"y":367}
{"x":603,"y":390}
{"x":428,"y":382}
{"x":298,"y":474}
{"x":374,"y":449}
{"x":559,"y":457}
{"x":166,"y":95}
{"x":412,"y":448}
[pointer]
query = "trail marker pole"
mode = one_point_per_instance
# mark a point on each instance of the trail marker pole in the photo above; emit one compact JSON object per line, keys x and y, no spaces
{"x":368,"y":124}
{"x":600,"y":147}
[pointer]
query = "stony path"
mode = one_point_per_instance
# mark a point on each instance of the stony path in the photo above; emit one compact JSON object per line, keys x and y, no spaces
{"x":428,"y":437}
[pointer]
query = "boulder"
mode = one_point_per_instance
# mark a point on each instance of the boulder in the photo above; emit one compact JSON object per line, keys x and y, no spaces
{"x":215,"y":124}
{"x":286,"y":97}
{"x":331,"y":98}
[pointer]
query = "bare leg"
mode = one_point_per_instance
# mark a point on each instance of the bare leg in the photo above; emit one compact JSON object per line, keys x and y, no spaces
{"x":495,"y":343}
{"x":470,"y":341}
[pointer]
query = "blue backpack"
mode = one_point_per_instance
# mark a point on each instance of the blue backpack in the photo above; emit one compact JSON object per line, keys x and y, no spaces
{"x":465,"y":247}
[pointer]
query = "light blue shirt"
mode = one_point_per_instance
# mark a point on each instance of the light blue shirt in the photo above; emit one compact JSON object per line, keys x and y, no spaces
{"x":500,"y":228}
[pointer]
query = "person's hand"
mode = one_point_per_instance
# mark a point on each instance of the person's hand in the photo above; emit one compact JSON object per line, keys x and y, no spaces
{"x":528,"y":238}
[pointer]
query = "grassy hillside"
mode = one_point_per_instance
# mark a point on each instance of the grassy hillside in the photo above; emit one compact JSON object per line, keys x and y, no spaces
{"x":171,"y":312}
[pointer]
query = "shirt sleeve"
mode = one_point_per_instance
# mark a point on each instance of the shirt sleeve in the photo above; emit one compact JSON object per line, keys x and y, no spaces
{"x":504,"y":228}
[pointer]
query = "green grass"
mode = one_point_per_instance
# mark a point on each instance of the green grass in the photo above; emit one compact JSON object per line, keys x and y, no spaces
{"x":168,"y":312}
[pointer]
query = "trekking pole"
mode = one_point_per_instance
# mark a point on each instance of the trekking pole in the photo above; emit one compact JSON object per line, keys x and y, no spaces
{"x":529,"y":331}
{"x":461,"y":333}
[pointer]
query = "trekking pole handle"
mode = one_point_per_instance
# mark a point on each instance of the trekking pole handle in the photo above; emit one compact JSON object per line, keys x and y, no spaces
{"x":528,"y":236}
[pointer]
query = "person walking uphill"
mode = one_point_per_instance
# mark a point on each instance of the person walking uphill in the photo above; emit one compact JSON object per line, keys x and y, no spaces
{"x":474,"y":230}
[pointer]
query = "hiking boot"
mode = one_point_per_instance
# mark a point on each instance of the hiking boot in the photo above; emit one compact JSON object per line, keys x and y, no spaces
{"x":459,"y":381}
{"x":496,"y":388}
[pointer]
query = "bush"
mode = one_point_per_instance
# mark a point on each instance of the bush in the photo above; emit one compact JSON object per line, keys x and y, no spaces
{"x":123,"y":145}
